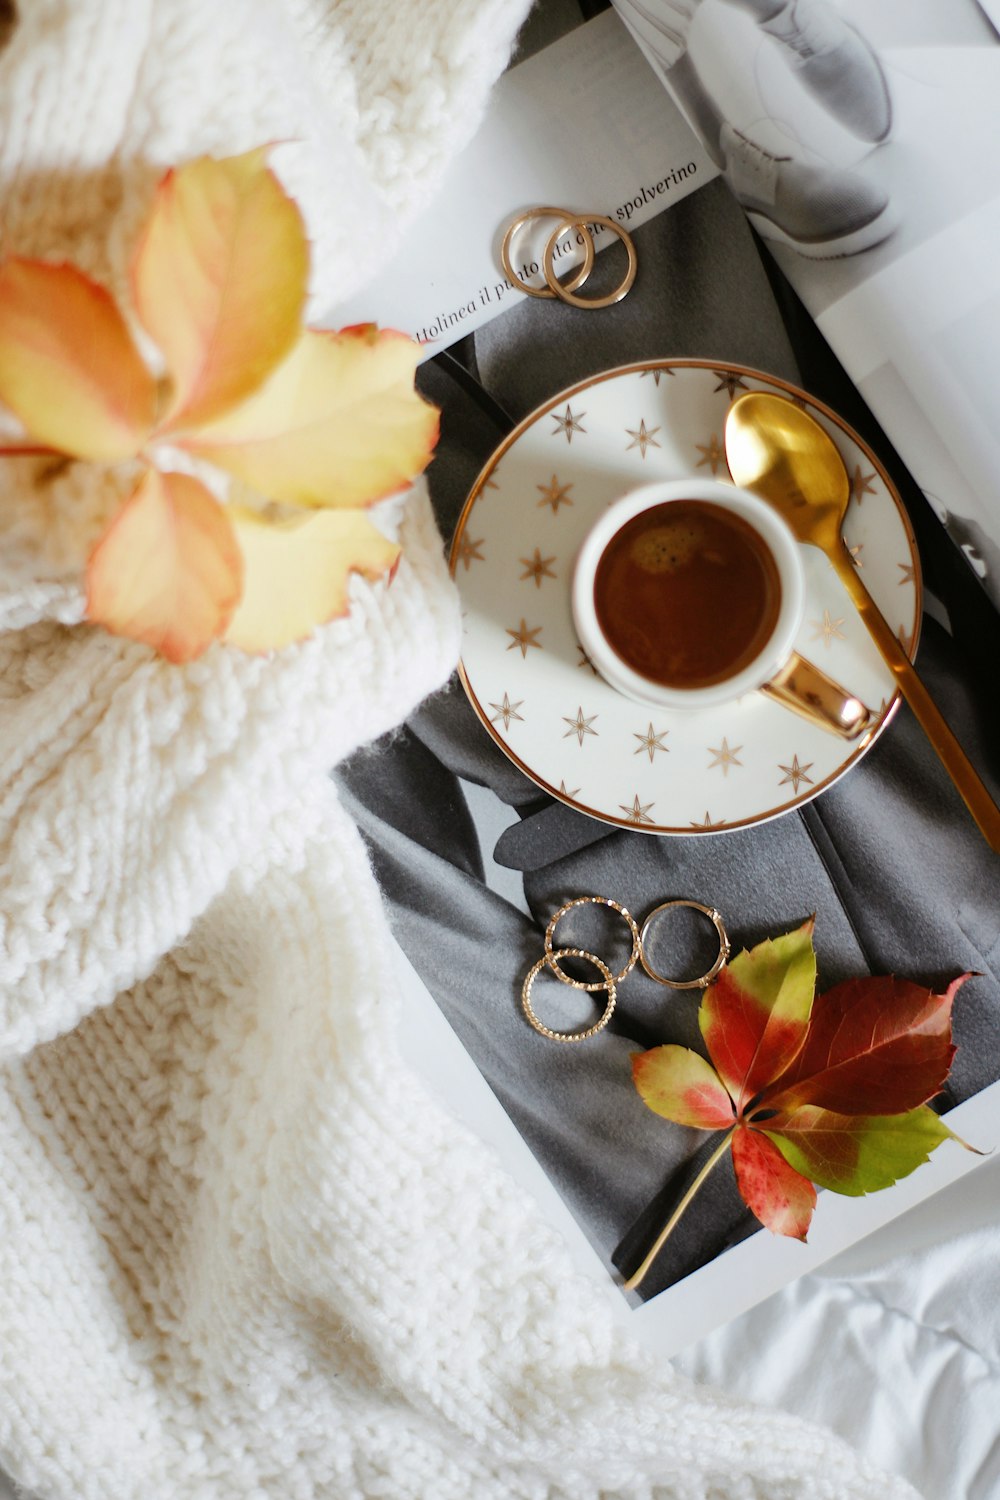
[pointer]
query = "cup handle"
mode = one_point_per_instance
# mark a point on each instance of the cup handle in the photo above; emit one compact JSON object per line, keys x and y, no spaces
{"x":802,"y":687}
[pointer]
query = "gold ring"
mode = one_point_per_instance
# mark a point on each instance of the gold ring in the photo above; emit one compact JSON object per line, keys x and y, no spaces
{"x":686,"y":984}
{"x":576,"y":280}
{"x":547,"y":960}
{"x":578,"y":984}
{"x":566,"y":293}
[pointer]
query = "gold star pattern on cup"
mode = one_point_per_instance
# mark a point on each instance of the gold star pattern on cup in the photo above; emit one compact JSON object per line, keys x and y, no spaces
{"x":638,"y":812}
{"x":855,"y":554}
{"x":524,"y":637}
{"x":651,"y":742}
{"x":724,"y":757}
{"x":579,"y":726}
{"x":713,"y":454}
{"x":555,"y":494}
{"x":506,"y":711}
{"x":585,"y":661}
{"x":564,"y":790}
{"x":905,"y":638}
{"x":728,"y":381}
{"x":828,"y":628}
{"x":861,"y":484}
{"x":906,"y":569}
{"x":796,"y":773}
{"x":567,"y":424}
{"x":537,"y":567}
{"x":657,"y":374}
{"x":707,"y":822}
{"x":468,"y":550}
{"x":642,"y":439}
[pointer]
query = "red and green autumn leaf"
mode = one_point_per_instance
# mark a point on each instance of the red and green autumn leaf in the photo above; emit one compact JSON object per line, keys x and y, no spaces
{"x":302,"y":420}
{"x":830,"y":1091}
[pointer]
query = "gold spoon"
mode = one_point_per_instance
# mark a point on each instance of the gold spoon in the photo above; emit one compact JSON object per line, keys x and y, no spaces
{"x":781,"y":453}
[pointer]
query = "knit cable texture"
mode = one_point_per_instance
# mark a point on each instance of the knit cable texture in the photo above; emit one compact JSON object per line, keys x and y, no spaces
{"x":229,"y":1213}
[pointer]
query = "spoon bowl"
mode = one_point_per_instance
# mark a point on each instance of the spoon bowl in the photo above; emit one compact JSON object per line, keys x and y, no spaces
{"x":776,"y":449}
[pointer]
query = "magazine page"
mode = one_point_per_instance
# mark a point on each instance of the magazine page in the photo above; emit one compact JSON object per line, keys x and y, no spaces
{"x":540,"y":143}
{"x":860,"y":140}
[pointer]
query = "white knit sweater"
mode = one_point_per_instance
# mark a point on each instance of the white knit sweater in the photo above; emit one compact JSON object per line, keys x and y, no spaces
{"x":228,"y":1213}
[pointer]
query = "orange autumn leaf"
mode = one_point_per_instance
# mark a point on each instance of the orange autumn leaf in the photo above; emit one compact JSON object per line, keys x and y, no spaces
{"x":338,"y":423}
{"x":219,"y":280}
{"x":168,"y":571}
{"x":301,"y":417}
{"x":297,"y":573}
{"x":69,"y":370}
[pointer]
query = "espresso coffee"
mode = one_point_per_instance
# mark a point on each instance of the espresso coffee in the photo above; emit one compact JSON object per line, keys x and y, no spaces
{"x":687,"y":594}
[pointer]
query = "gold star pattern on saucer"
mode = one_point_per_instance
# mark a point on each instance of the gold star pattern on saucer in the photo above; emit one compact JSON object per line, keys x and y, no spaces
{"x":537,"y":567}
{"x":506,"y":711}
{"x":828,"y":629}
{"x":723,"y":757}
{"x":534,"y":689}
{"x":524,"y":636}
{"x":469,"y":552}
{"x":567,"y":424}
{"x":554,"y":494}
{"x":641,"y":438}
{"x":650,"y":741}
{"x":579,"y":726}
{"x":795,"y":774}
{"x":713,"y":454}
{"x":861,"y":484}
{"x":729,"y":382}
{"x":637,"y":813}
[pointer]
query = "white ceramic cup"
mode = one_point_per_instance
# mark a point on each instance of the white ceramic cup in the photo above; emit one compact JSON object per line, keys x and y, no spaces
{"x":776,"y":668}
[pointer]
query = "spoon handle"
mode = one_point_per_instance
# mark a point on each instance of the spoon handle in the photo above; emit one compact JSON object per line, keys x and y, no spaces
{"x":954,"y":759}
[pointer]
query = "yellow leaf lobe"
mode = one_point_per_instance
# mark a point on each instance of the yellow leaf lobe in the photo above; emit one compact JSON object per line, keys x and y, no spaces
{"x":168,"y":571}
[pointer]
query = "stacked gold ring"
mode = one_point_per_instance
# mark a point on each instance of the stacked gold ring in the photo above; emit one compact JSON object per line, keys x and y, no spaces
{"x":566,"y":291}
{"x":578,"y":984}
{"x":609,"y":982}
{"x":550,"y":960}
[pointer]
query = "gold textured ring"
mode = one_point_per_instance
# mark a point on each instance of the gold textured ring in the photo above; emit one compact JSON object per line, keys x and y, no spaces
{"x":548,"y":960}
{"x":686,"y":984}
{"x":555,"y":287}
{"x":566,"y":293}
{"x":600,"y":984}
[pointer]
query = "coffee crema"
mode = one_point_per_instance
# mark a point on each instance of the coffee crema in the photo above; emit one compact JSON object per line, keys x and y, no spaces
{"x":687,"y":594}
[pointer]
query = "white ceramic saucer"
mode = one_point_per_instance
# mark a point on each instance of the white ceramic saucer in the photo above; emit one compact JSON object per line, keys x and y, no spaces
{"x":526,"y":674}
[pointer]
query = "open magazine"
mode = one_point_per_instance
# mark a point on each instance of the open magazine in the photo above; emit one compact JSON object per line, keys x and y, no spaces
{"x":860,"y":140}
{"x":631,"y":159}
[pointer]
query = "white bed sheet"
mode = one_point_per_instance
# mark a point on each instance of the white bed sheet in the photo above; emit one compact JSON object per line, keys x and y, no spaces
{"x":895,"y":1344}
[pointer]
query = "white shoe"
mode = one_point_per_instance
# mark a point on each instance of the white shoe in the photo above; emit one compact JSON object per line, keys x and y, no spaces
{"x":836,"y":63}
{"x":817,"y":210}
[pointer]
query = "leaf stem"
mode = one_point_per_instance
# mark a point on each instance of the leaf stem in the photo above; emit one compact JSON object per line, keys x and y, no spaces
{"x":637,"y":1276}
